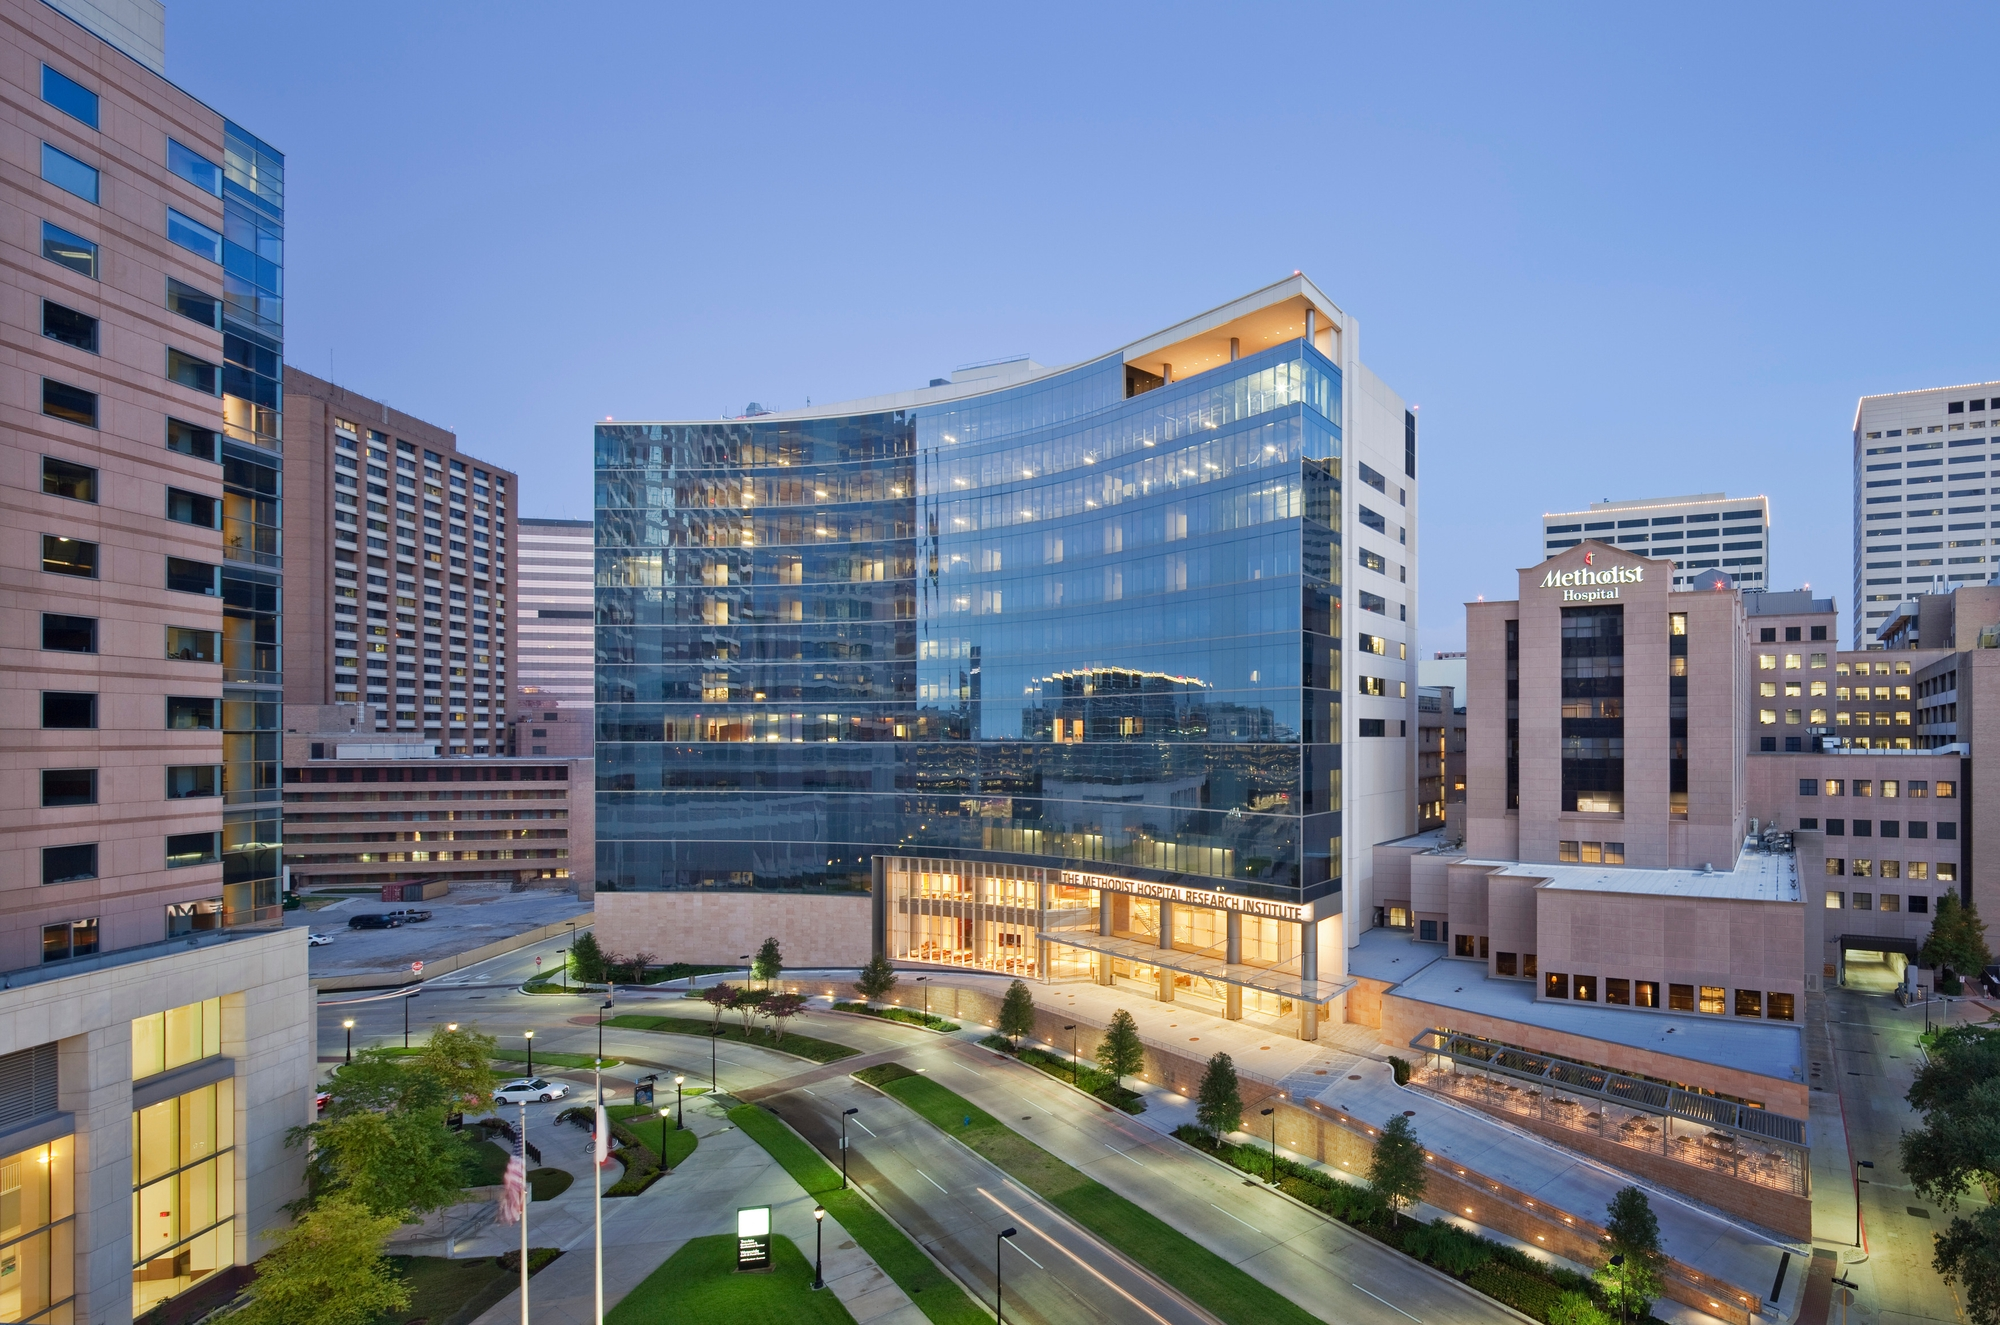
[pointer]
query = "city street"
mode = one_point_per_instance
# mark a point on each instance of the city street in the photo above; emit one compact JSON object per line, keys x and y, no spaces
{"x":1876,"y":1056}
{"x":944,"y":1195}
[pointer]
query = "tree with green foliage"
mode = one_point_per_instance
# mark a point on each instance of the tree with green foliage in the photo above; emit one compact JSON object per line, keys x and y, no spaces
{"x":1632,"y":1235}
{"x":1956,"y":946}
{"x":1396,"y":1169}
{"x":462,"y":1061}
{"x":1017,"y":1013}
{"x":379,"y":1083}
{"x":746,"y":1005}
{"x":769,"y":963}
{"x":1958,"y":1091}
{"x":877,"y":979}
{"x":586,"y":958}
{"x":400,"y":1165}
{"x":1219,"y":1101}
{"x":327,"y":1269}
{"x":1121,"y":1052}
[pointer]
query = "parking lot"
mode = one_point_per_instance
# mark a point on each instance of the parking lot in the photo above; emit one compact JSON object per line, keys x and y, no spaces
{"x":462,"y":920}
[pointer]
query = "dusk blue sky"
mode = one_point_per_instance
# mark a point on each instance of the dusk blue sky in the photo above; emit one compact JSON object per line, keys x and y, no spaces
{"x":1611,"y":251}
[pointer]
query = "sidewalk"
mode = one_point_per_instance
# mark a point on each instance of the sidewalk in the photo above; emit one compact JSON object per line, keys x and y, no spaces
{"x":727,"y":1171}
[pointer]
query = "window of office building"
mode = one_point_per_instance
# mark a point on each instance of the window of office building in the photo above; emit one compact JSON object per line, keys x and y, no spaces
{"x":183,"y":1175}
{"x":1593,"y":725}
{"x":37,"y":1232}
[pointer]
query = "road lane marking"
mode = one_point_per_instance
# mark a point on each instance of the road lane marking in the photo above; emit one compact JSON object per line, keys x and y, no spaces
{"x":932,"y":1181}
{"x":1385,"y":1302}
{"x":1094,"y":1271}
{"x":1122,"y":1155}
{"x":864,"y":1127}
{"x":1017,"y":1247}
{"x":1246,"y":1223}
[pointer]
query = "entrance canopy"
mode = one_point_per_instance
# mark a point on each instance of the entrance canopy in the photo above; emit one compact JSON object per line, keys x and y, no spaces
{"x":1287,"y":984}
{"x":1879,"y":943}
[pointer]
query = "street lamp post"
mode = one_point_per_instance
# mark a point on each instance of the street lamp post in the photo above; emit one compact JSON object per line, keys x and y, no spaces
{"x":819,"y":1244}
{"x":680,"y":1117}
{"x":927,"y":996}
{"x":348,"y":1026}
{"x":714,"y":1032}
{"x":663,"y":1139}
{"x":451,"y":1026}
{"x":1001,"y":1241}
{"x":406,"y":1018}
{"x":845,"y":1115}
{"x":748,"y":973}
{"x":529,"y":1036}
{"x":1618,"y":1264}
{"x":600,"y":1030}
{"x":1071,"y":1028}
{"x":1272,"y":1115}
{"x":566,"y":952}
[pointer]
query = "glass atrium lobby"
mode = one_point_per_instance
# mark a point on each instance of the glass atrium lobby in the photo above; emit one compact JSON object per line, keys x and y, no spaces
{"x":1234,"y":957}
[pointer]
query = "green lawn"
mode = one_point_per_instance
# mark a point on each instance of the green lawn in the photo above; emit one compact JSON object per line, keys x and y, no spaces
{"x":937,"y":1294}
{"x":486,"y":1163}
{"x":699,"y":1285}
{"x":801,"y":1046}
{"x":547,"y":1184}
{"x":1220,"y":1287}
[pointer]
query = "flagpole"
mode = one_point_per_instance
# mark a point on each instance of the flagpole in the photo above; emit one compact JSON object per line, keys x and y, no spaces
{"x":527,"y":1195}
{"x":598,"y":1149}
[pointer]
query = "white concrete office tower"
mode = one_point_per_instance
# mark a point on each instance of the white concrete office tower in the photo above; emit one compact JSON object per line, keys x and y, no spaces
{"x":553,"y":688}
{"x":1704,"y":532}
{"x":1920,"y":497}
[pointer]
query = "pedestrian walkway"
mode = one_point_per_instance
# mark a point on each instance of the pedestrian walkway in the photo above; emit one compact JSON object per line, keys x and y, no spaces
{"x":727,"y":1171}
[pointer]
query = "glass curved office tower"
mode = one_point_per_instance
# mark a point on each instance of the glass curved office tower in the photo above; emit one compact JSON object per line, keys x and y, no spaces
{"x":1036,"y":670}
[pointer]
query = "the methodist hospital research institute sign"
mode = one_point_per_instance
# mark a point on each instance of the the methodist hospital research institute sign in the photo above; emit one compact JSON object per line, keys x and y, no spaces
{"x":1590,"y":585}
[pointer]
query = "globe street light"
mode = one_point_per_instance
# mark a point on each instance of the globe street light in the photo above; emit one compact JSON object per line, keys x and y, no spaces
{"x":663,"y":1139}
{"x":530,"y":1037}
{"x":680,"y":1118}
{"x":998,"y":1242}
{"x":819,"y":1243}
{"x":349,"y":1026}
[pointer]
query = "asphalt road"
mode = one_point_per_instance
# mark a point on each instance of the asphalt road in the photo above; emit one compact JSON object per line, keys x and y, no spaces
{"x":1876,"y":1056}
{"x":944,"y":1194}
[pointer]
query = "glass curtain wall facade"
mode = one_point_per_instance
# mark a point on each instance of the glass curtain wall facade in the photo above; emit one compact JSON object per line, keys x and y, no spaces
{"x":253,"y":351}
{"x":1092,"y":619}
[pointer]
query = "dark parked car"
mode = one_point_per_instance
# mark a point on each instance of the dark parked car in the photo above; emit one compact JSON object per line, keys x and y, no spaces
{"x":373,"y":920}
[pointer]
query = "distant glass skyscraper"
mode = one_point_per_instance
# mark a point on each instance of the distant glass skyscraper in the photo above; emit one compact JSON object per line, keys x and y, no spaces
{"x":1046,"y":662}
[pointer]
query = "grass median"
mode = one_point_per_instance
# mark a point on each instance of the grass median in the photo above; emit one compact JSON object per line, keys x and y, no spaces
{"x":939,"y":1296}
{"x":698,"y":1285}
{"x":1213,"y":1283}
{"x":799,"y":1046}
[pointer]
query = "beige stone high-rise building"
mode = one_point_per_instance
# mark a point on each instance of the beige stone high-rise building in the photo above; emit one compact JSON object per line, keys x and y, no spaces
{"x":155,"y":1025}
{"x":554,"y":640}
{"x":401,"y":553}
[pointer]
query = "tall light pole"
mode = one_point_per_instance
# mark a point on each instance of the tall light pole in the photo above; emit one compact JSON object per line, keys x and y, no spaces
{"x":714,"y":1033}
{"x":406,"y":1017}
{"x":527,"y":1198}
{"x":845,"y":1115}
{"x":1272,"y":1115}
{"x":1618,"y":1264}
{"x":748,"y":973}
{"x":529,"y":1036}
{"x":663,"y":1138}
{"x":927,"y":996}
{"x":348,"y":1025}
{"x":999,"y":1243}
{"x":1071,"y":1028}
{"x":566,"y":952}
{"x":819,"y":1244}
{"x":680,"y":1117}
{"x":600,"y":1032}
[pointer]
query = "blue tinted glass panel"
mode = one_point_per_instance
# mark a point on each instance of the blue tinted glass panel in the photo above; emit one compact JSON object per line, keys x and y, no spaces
{"x":66,"y":172}
{"x":72,"y":251}
{"x":193,"y":167}
{"x":192,"y":235}
{"x":69,"y":96}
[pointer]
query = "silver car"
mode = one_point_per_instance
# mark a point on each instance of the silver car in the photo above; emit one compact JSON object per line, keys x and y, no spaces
{"x":530,"y":1090}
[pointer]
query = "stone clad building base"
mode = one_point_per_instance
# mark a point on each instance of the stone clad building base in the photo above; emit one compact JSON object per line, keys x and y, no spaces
{"x":718,"y":928}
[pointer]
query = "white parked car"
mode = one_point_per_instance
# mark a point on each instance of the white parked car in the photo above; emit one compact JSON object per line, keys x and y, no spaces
{"x":530,"y":1090}
{"x":318,"y":941}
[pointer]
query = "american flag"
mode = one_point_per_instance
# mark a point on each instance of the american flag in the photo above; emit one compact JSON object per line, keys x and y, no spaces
{"x":514,"y":1188}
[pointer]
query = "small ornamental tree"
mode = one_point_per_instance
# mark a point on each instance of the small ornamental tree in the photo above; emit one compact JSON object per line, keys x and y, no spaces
{"x":587,"y":959}
{"x":1396,"y":1170}
{"x":1956,"y":1150}
{"x":769,"y":963}
{"x":642,"y":961}
{"x":746,"y":1007}
{"x":1017,"y":1013}
{"x":877,"y":979}
{"x":780,"y":1008}
{"x":1632,"y":1231}
{"x":721,"y":997}
{"x":327,"y":1269}
{"x":1218,"y":1102}
{"x":1121,"y":1052}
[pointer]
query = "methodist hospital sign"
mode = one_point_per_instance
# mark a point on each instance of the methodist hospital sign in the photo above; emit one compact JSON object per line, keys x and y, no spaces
{"x":1592,"y":586}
